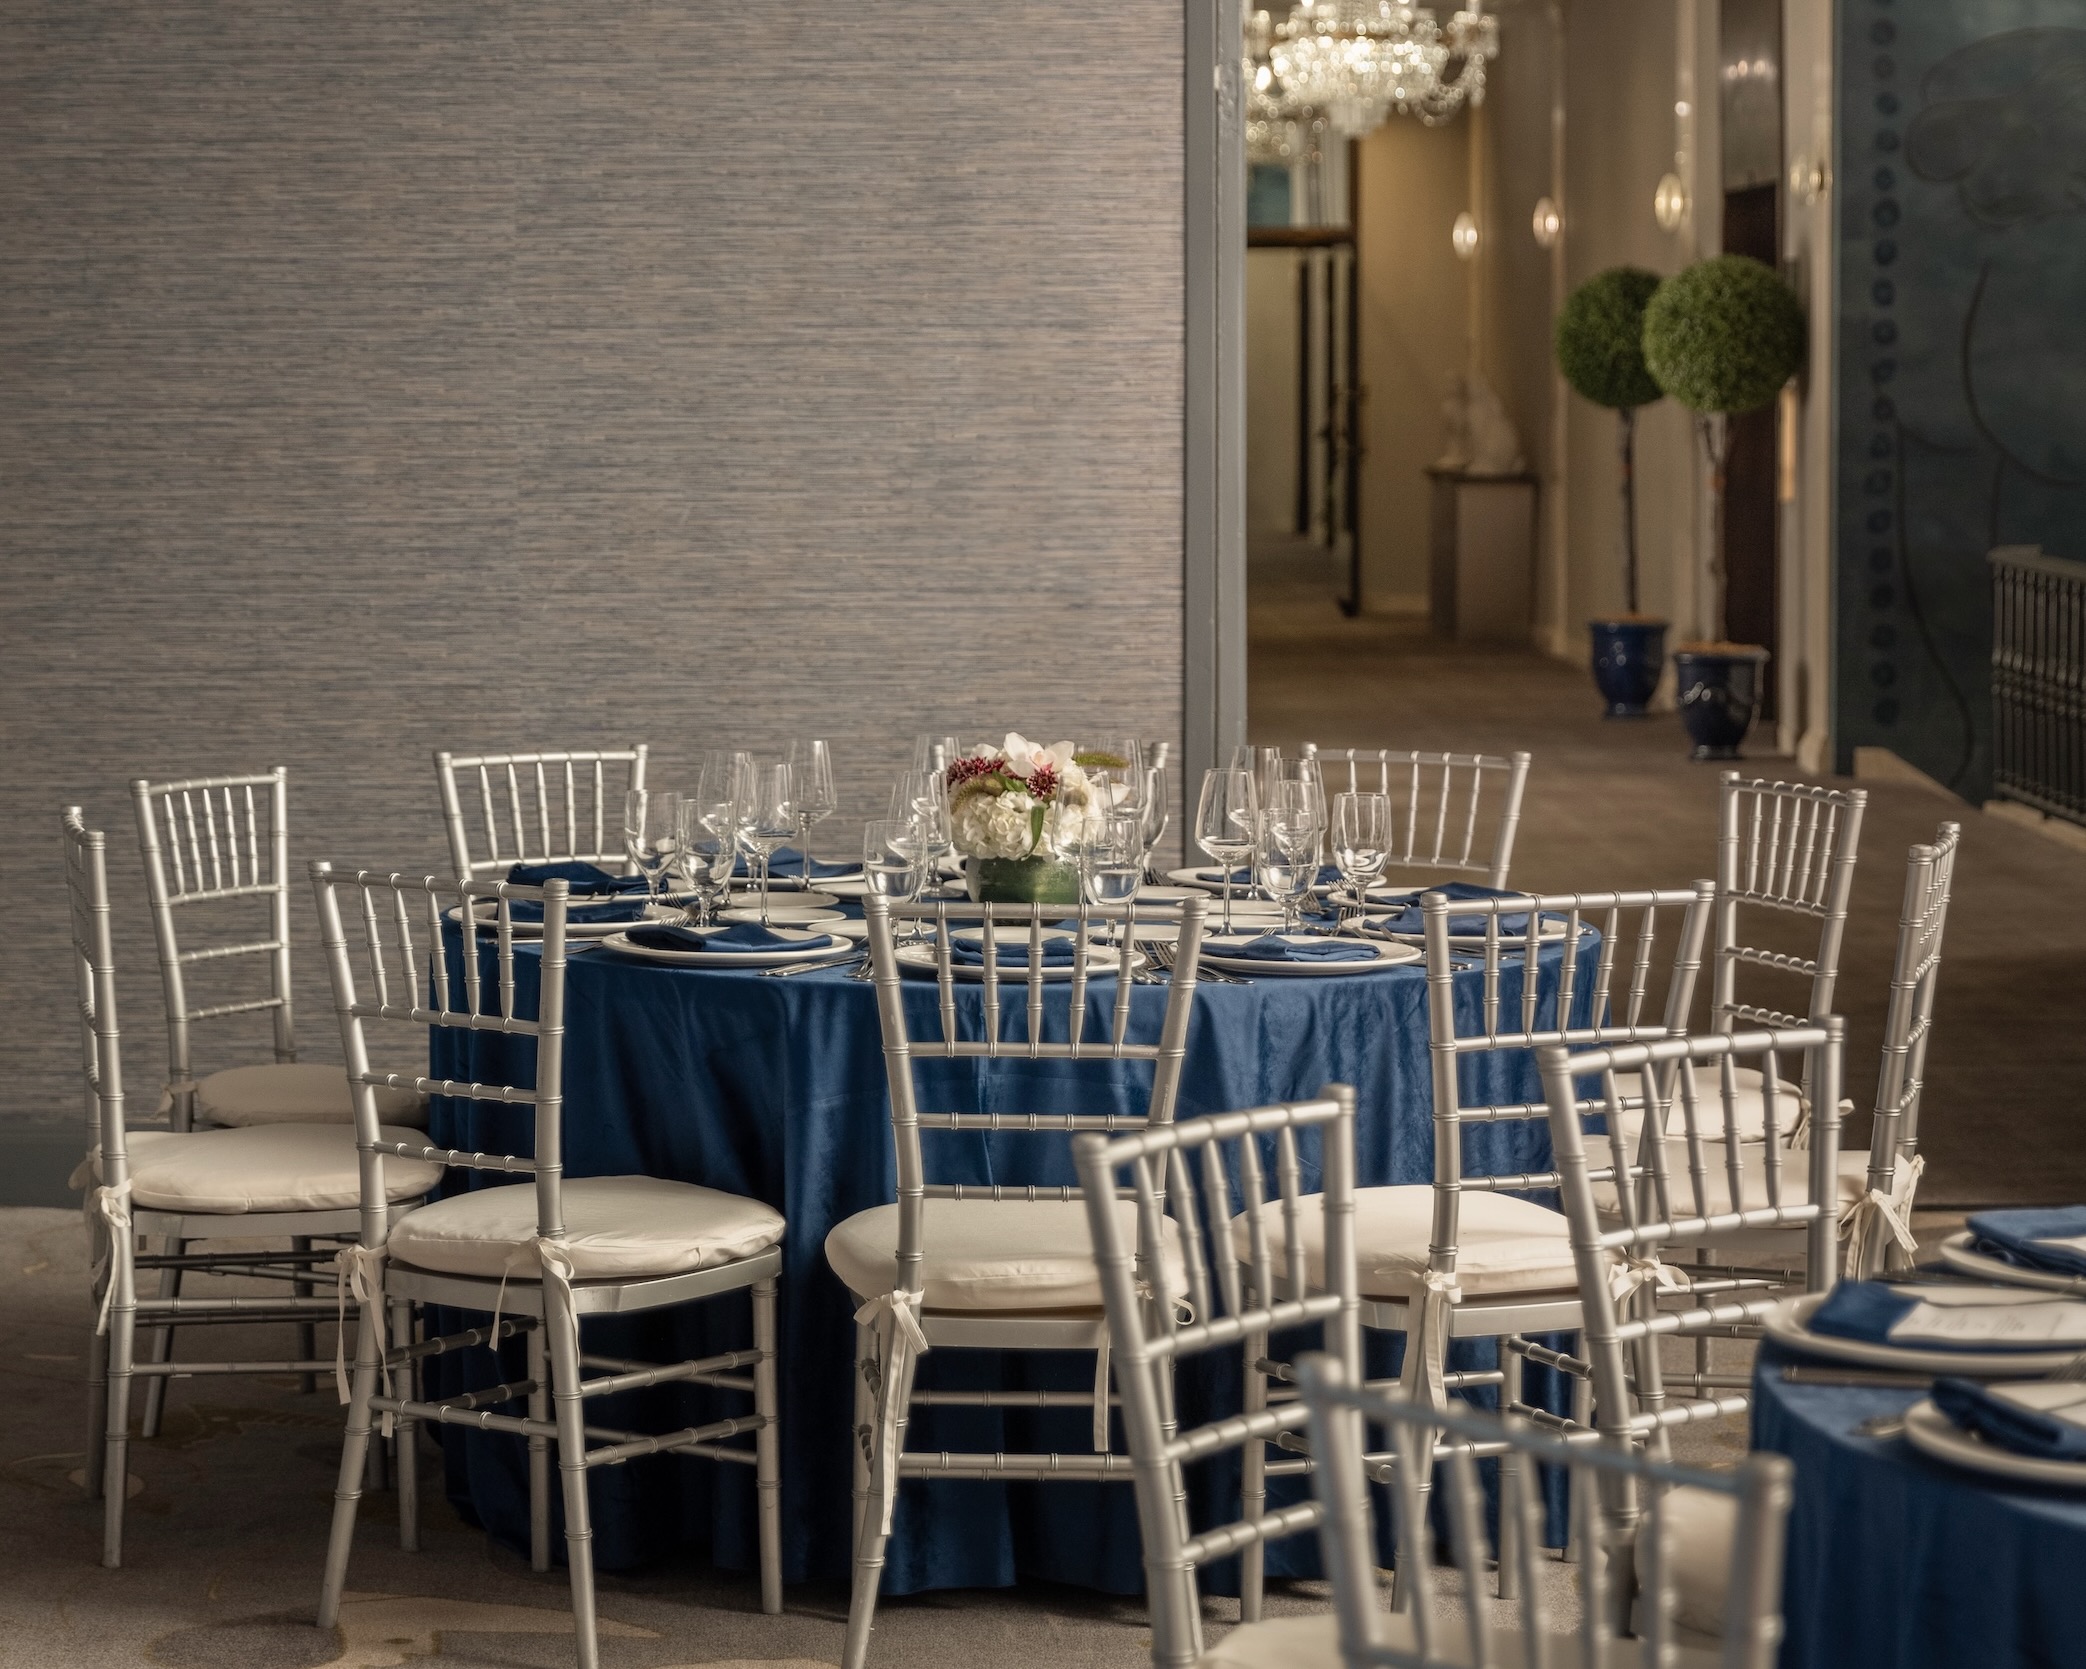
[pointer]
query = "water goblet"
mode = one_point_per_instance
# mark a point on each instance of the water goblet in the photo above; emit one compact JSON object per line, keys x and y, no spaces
{"x":1284,"y":869}
{"x":706,"y":856}
{"x":771,"y":818}
{"x":1361,"y":840}
{"x":1226,"y":822}
{"x":651,"y":826}
{"x":1111,"y":860}
{"x":891,"y":858}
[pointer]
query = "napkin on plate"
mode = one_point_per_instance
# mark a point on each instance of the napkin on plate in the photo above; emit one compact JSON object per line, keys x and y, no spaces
{"x":744,"y":936}
{"x":2042,"y":1418}
{"x":1412,"y":919}
{"x":1272,"y":947}
{"x":582,"y":880}
{"x":2049,"y":1238}
{"x":967,"y":950}
{"x":614,"y":909}
{"x":1978,"y":1320}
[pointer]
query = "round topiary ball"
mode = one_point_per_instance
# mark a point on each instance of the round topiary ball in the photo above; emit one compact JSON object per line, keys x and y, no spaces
{"x":1600,"y":338}
{"x":1724,"y":335}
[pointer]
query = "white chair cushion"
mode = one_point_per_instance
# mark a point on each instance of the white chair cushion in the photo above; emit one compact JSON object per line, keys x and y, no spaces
{"x":1503,"y":1244}
{"x":1700,"y":1527}
{"x":989,"y":1254}
{"x":617,"y":1228}
{"x":1749,"y":1103}
{"x":292,"y":1093}
{"x":271,"y":1167}
{"x":1314,"y":1643}
{"x":1795,"y":1185}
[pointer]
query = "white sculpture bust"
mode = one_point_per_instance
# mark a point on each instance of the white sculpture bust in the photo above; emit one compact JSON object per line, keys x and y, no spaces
{"x":1478,"y":436}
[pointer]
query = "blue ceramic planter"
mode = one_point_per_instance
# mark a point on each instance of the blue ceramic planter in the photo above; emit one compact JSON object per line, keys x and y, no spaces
{"x":1627,"y":658}
{"x":1719,"y":694}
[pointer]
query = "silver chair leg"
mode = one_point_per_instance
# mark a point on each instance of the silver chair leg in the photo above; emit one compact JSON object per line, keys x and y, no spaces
{"x":98,"y":1393}
{"x":159,"y":1347}
{"x":408,"y":1433}
{"x":767,"y":1447}
{"x":307,"y":1334}
{"x":354,"y":1450}
{"x":563,"y":1348}
{"x":865,"y":1421}
{"x":539,"y":1455}
{"x":1510,"y":1468}
{"x":1253,"y":1486}
{"x":869,"y":1532}
{"x":122,"y":1343}
{"x":1582,"y":1416}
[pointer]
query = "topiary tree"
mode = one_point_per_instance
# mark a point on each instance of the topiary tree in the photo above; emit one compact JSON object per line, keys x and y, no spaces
{"x":1722,"y":338}
{"x":1600,"y":350}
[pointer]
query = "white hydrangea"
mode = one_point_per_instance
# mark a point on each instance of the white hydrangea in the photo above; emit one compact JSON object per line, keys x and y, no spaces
{"x":992,"y":825}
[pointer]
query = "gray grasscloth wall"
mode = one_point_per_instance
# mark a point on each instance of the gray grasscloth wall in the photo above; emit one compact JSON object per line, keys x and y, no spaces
{"x":390,"y":376}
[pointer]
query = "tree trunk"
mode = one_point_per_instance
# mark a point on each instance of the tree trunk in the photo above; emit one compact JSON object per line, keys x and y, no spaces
{"x":1716,"y":447}
{"x":1626,"y":442}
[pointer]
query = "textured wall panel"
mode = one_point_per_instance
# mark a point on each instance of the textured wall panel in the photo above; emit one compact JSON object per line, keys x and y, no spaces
{"x":385,"y":377}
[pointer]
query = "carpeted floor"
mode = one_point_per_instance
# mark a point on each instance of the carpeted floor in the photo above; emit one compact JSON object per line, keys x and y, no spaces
{"x":1613,"y":804}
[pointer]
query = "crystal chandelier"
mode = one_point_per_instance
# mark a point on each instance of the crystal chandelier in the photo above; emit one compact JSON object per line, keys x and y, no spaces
{"x":1279,"y":129}
{"x":1356,"y":61}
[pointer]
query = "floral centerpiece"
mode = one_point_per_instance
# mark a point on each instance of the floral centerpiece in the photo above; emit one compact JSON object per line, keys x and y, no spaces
{"x":1018,"y":814}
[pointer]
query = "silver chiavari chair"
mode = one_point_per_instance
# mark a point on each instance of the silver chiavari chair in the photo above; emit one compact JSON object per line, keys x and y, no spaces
{"x":986,"y":1267}
{"x":538,"y":1258}
{"x":212,"y":841}
{"x":1688,"y":1181}
{"x":1462,"y":1257}
{"x":1878,"y":1223}
{"x":259,"y":1182}
{"x":1174,"y":1291}
{"x":540,"y":807}
{"x":1441,"y":803}
{"x":1448,"y":1625}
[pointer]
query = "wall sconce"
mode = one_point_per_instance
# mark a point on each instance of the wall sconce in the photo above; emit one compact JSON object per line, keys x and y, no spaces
{"x":1547,"y":224}
{"x":1669,"y":203}
{"x":1808,"y":179}
{"x":1463,"y":237}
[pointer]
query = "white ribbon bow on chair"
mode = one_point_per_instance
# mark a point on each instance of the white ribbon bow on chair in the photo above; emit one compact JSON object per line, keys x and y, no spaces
{"x":1865,"y":1223}
{"x":556,"y":1263}
{"x":1633,"y":1274}
{"x":111,"y":1206}
{"x":895,"y":1319}
{"x":1430,"y":1338}
{"x":360,"y":1276}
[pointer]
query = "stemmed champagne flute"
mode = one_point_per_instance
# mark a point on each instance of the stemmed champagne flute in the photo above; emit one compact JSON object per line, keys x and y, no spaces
{"x":651,"y":827}
{"x":815,"y":800}
{"x":1226,"y":820}
{"x":1361,"y":840}
{"x":771,"y":818}
{"x":1154,"y":811}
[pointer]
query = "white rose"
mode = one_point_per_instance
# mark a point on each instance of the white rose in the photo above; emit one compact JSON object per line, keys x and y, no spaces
{"x":993,"y":825}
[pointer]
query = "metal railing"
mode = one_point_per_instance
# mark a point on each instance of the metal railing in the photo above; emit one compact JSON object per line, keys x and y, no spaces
{"x":2039,"y":680}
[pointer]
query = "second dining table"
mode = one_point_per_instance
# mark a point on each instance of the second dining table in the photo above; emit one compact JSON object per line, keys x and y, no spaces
{"x":775,"y":1088}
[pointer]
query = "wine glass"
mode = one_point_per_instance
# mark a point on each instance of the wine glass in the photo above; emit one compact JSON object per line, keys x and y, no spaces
{"x":771,"y":818}
{"x":707,"y":854}
{"x":1296,"y":818}
{"x":651,"y":827}
{"x":1284,"y":867}
{"x":923,"y":797}
{"x":1225,"y":822}
{"x":1111,"y":860}
{"x":891,"y":858}
{"x":1361,"y":840}
{"x":1154,"y":811}
{"x":815,"y":799}
{"x":934,"y":753}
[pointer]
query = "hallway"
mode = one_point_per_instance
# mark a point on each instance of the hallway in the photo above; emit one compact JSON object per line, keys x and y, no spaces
{"x":1620,"y":804}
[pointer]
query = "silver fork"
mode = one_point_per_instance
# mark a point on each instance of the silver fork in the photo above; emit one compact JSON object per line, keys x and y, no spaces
{"x":1167,"y":954}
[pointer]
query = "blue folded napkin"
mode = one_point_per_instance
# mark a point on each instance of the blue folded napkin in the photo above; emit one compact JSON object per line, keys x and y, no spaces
{"x":743,"y":936}
{"x":1868,"y":1310}
{"x":618,"y":909}
{"x":2000,"y":1418}
{"x":582,"y":880}
{"x":1272,"y":947}
{"x":2024,"y":1237}
{"x":967,"y":950}
{"x":1412,"y":919}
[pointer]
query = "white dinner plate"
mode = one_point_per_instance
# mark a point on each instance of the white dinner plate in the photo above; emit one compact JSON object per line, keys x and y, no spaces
{"x":816,"y":945}
{"x":1959,"y":1252}
{"x":485,"y":912}
{"x":1101,"y":961}
{"x":1787,"y":1324}
{"x":1932,"y":1432}
{"x":783,"y":914}
{"x":795,"y":898}
{"x":1386,"y":955}
{"x":1169,"y":895}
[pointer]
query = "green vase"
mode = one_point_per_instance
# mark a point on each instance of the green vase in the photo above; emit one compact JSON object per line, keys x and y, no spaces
{"x":1033,"y":880}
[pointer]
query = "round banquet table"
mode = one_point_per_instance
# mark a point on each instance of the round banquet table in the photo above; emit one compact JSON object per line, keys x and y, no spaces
{"x":1899,"y":1561}
{"x":774,"y":1088}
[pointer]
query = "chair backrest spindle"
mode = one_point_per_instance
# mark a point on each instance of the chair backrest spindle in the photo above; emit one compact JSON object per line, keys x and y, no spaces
{"x":1438,"y":802}
{"x":541,"y":807}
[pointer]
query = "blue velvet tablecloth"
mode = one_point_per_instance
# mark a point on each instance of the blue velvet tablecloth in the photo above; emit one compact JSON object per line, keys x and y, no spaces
{"x":1897,"y":1561}
{"x":774,"y":1088}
